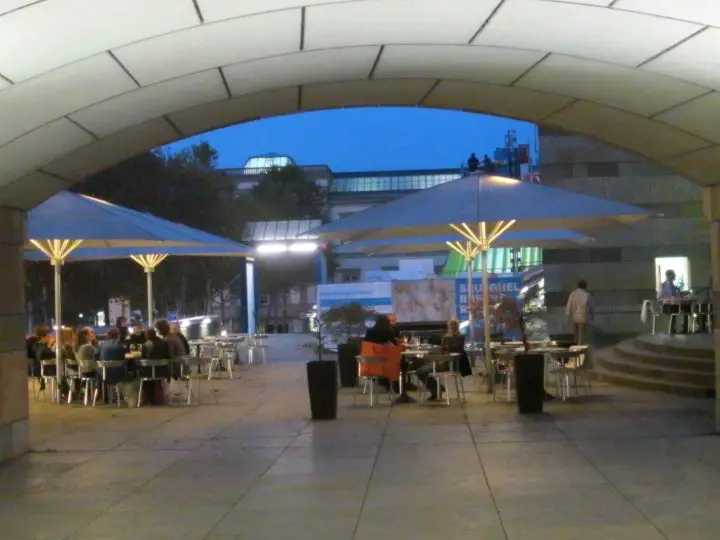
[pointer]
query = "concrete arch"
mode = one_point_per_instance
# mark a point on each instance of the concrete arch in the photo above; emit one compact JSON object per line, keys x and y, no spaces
{"x":89,"y":83}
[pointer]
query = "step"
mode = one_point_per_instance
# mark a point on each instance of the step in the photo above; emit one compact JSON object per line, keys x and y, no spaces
{"x":611,"y":361}
{"x":700,"y":346}
{"x":648,"y":384}
{"x":630,"y":351}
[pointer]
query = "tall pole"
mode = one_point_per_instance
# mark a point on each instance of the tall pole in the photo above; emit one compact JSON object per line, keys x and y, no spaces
{"x":470,"y":296}
{"x":486,"y":319}
{"x":148,"y":273}
{"x":59,"y":368}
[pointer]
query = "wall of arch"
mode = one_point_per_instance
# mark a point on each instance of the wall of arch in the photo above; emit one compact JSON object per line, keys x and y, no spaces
{"x":88,"y":85}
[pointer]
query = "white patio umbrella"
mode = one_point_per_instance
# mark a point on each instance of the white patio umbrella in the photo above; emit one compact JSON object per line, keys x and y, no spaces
{"x":481,"y":209}
{"x":67,"y":221}
{"x":149,"y":258}
{"x":468,"y":250}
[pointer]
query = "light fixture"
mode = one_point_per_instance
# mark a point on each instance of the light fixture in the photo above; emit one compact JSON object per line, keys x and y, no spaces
{"x":502,"y":180}
{"x":206,"y":321}
{"x":303,"y":247}
{"x":223,"y":333}
{"x":184,"y":324}
{"x":80,"y":315}
{"x":272,"y":248}
{"x":464,"y":325}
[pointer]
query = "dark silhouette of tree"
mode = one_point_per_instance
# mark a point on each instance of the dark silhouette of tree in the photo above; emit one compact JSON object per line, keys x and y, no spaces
{"x":284,"y":194}
{"x":183,"y":187}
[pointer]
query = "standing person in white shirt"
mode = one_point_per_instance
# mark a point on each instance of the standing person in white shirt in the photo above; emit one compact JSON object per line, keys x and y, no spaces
{"x":580,"y":311}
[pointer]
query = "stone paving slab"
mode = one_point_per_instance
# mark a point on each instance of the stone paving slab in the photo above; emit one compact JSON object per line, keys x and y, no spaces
{"x":250,"y":464}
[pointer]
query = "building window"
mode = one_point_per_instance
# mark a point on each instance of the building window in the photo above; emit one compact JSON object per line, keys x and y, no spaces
{"x":294,"y":296}
{"x":390,"y":268}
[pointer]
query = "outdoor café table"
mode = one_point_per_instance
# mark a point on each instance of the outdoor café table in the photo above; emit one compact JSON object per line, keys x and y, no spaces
{"x":406,"y":355}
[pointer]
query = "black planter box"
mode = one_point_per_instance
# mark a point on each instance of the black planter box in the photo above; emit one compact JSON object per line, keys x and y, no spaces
{"x":323,"y":389}
{"x":348,"y":363}
{"x":530,"y":383}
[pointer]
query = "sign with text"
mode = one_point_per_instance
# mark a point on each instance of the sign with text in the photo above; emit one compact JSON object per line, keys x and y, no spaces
{"x":375,"y":296}
{"x":505,"y":304}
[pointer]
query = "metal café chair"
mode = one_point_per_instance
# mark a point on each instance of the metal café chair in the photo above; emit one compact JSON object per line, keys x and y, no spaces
{"x":48,"y":373}
{"x":371,"y":381}
{"x":572,"y":365}
{"x":445,"y":375}
{"x":224,"y":354}
{"x":112,"y":373}
{"x":152,"y":370}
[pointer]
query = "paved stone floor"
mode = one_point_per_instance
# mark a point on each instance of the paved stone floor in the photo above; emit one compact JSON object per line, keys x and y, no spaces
{"x":248,"y":464}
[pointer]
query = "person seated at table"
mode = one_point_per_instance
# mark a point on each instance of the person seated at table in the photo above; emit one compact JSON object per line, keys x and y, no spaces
{"x":154,"y":348}
{"x":85,"y":352}
{"x":383,"y":333}
{"x":112,"y":348}
{"x":668,"y":293}
{"x":42,"y":350}
{"x":136,"y":339}
{"x":176,"y":348}
{"x":452,"y":343}
{"x":175,"y":329}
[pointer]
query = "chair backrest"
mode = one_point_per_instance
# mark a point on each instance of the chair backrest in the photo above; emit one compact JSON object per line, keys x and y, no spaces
{"x":580,"y":358}
{"x":370,"y":366}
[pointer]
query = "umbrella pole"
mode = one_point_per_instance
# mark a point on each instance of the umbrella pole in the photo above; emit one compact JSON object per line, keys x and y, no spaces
{"x":470,"y":302}
{"x":148,"y":273}
{"x":486,"y":320}
{"x":59,"y":368}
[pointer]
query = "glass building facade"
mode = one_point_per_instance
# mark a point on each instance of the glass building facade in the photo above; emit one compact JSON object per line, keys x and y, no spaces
{"x":411,"y":181}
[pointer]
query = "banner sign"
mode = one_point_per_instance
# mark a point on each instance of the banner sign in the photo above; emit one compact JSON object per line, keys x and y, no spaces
{"x":375,"y":296}
{"x":505,"y":304}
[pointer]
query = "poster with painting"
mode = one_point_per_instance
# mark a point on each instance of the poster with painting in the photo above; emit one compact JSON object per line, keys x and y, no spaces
{"x":426,"y":300}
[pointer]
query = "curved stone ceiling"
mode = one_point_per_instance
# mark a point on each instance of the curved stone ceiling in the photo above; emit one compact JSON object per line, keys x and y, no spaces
{"x":85,"y":84}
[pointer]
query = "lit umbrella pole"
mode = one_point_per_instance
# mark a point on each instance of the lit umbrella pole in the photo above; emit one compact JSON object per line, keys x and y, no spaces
{"x":482,"y":241}
{"x":57,"y":251}
{"x":149,"y":263}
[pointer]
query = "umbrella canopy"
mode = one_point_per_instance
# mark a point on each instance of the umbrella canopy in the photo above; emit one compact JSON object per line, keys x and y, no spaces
{"x":481,"y":209}
{"x":514,"y":239}
{"x":97,"y":223}
{"x":229,"y":249}
{"x":500,"y":203}
{"x":66,"y":221}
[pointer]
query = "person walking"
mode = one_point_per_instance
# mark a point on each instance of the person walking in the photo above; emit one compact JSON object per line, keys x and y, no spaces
{"x":580,"y":310}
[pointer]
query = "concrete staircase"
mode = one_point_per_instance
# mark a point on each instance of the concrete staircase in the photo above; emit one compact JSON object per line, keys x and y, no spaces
{"x":682,"y":365}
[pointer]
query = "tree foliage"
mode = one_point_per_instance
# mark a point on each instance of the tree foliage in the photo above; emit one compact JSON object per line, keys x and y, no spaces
{"x":283,"y":194}
{"x":183,"y":187}
{"x":346,"y":320}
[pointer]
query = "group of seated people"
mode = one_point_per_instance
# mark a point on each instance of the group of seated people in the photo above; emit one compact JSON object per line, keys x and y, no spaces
{"x":384,"y":332}
{"x":80,"y":351}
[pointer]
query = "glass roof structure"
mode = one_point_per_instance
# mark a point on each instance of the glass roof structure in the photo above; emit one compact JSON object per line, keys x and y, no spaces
{"x":280,"y":231}
{"x":641,"y":75}
{"x":268,"y":162}
{"x":397,"y":182}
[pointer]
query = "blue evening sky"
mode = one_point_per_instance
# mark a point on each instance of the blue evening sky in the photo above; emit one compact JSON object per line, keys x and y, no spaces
{"x":368,"y":138}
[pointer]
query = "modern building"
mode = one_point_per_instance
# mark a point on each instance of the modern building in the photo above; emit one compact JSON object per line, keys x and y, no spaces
{"x":624,"y":266}
{"x":348,"y":193}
